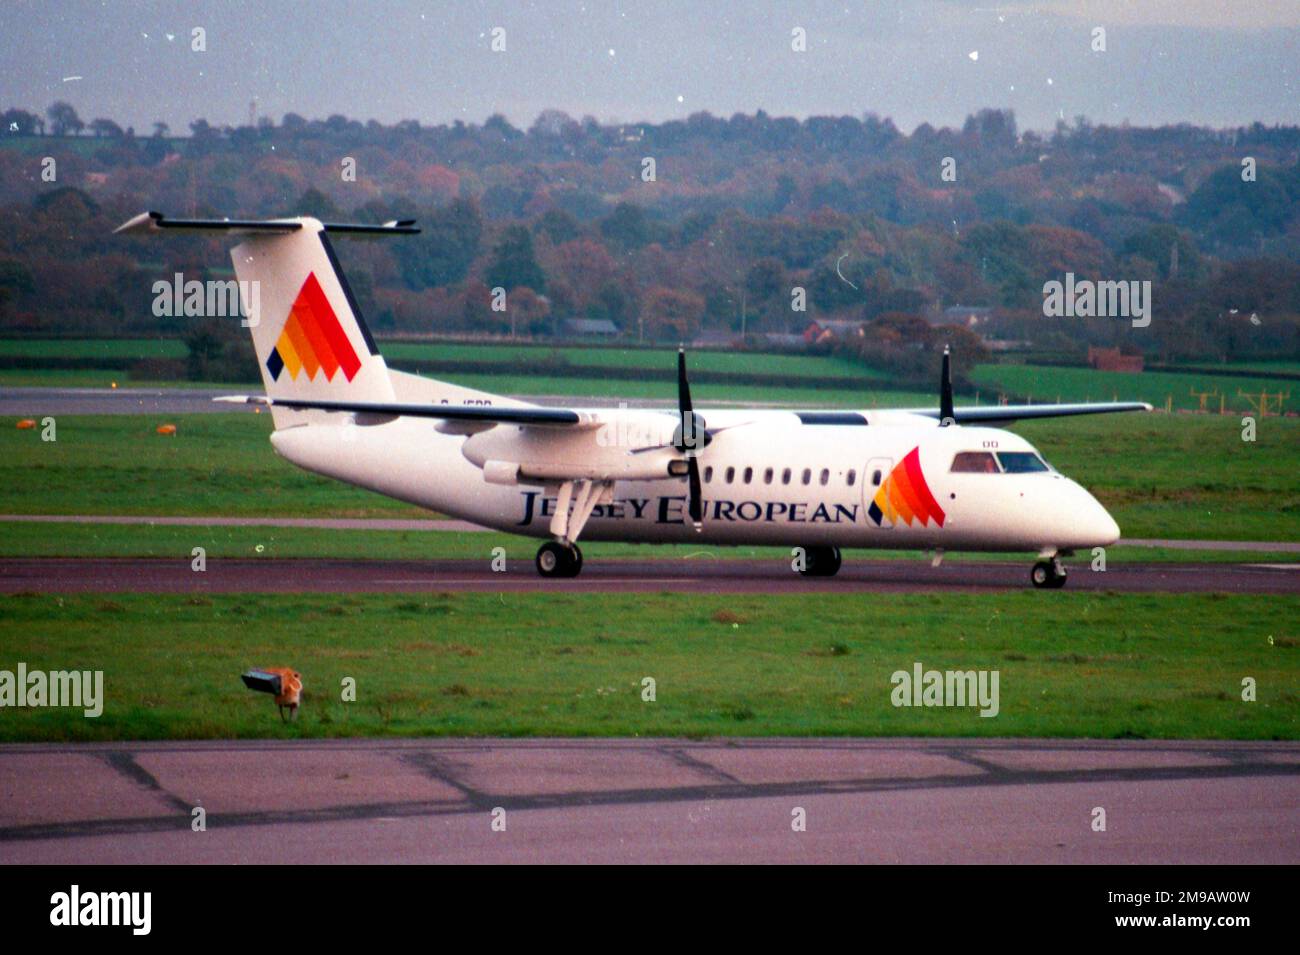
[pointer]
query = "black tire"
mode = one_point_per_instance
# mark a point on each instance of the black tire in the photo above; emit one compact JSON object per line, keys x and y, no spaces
{"x":556,"y":560}
{"x":821,"y":561}
{"x":1041,"y":575}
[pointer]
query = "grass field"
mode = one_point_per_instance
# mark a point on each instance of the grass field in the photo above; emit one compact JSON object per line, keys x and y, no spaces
{"x":658,"y":359}
{"x":1161,"y":476}
{"x":524,"y":384}
{"x":471,"y":664}
{"x":1042,"y":383}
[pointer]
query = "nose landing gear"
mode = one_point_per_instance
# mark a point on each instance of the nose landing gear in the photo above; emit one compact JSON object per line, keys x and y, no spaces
{"x":1048,"y":574}
{"x":559,"y":560}
{"x":821,"y":561}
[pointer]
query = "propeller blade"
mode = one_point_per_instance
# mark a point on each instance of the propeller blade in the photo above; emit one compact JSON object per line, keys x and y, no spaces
{"x":695,"y":506}
{"x":683,"y":386}
{"x":946,"y":416}
{"x":689,"y":437}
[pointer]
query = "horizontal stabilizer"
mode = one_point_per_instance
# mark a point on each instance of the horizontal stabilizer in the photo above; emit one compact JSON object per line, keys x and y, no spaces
{"x":153,"y":222}
{"x":503,"y":415}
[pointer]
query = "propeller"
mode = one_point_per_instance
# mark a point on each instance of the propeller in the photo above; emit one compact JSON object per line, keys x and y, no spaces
{"x":690,"y":439}
{"x":946,"y":415}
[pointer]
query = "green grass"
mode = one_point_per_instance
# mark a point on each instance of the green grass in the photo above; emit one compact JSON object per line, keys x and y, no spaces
{"x":137,"y":348}
{"x":658,"y":359}
{"x":519,"y":665}
{"x":661,"y":359}
{"x":523,"y":384}
{"x":214,"y":464}
{"x":1162,"y":476}
{"x":1043,"y":383}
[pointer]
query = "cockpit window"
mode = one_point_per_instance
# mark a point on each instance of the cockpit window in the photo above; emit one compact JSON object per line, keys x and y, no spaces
{"x":1021,"y":462}
{"x":974,"y":462}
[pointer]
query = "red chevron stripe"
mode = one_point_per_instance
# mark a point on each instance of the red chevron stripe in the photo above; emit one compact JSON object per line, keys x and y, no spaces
{"x":917,"y":481}
{"x":326,"y":322}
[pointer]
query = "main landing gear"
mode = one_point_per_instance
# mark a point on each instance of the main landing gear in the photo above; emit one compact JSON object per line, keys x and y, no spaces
{"x":821,"y":561}
{"x":559,"y":560}
{"x":1048,"y":574}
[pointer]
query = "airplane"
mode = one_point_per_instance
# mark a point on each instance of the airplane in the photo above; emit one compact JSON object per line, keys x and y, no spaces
{"x":817,"y":481}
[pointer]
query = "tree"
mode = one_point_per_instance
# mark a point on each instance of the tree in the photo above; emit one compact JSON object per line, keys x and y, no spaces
{"x":626,"y":226}
{"x":443,"y":251}
{"x":315,"y":203}
{"x":514,"y":263}
{"x":672,"y":313}
{"x":161,"y":129}
{"x":18,"y":122}
{"x":64,"y":120}
{"x":105,"y":127}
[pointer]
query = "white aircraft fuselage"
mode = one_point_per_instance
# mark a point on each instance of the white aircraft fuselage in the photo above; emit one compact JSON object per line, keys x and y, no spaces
{"x":409,"y":459}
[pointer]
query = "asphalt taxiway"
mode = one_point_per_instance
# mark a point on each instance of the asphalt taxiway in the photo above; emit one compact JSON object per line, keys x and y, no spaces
{"x":620,"y":800}
{"x":702,"y":575}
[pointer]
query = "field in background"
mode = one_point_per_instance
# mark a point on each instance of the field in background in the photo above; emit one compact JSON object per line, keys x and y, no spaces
{"x":1069,"y":665}
{"x":1043,"y":383}
{"x":616,"y":371}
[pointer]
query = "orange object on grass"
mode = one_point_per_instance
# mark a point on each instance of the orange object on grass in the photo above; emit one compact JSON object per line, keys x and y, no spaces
{"x":26,"y":424}
{"x":166,"y":429}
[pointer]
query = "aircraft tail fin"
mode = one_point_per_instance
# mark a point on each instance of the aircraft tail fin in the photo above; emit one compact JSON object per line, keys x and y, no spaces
{"x":310,"y":338}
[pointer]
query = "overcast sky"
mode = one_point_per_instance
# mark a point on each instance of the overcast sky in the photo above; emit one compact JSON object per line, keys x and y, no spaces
{"x":1215,"y":62}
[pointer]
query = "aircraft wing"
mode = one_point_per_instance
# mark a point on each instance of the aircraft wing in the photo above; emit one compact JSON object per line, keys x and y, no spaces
{"x":486,"y":414}
{"x":994,"y":413}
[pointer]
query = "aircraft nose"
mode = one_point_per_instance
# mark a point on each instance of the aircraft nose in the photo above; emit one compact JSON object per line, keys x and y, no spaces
{"x":1094,"y":521}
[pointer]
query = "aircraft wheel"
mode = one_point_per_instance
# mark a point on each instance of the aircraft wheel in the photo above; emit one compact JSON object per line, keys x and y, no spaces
{"x":558,"y":560}
{"x":821,"y":562}
{"x":1047,"y":575}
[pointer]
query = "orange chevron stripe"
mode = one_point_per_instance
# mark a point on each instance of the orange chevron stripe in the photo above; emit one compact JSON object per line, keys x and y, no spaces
{"x":289,"y":355}
{"x":309,"y":322}
{"x":899,"y":502}
{"x":302,"y":345}
{"x":901,"y":480}
{"x":328,"y":323}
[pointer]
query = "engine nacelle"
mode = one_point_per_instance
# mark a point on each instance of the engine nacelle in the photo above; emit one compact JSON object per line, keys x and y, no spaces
{"x":509,"y":454}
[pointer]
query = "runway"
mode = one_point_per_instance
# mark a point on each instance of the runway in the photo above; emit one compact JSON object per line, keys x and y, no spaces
{"x":618,"y":800}
{"x":701,"y":575}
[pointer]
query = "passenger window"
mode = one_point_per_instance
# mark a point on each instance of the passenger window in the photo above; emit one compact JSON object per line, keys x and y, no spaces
{"x":807,"y":475}
{"x":1021,"y":462}
{"x":749,"y":475}
{"x":731,"y":475}
{"x":875,"y":477}
{"x":708,"y":474}
{"x":785,"y":476}
{"x":851,"y":478}
{"x":767,"y":476}
{"x":826,"y":477}
{"x":974,"y":462}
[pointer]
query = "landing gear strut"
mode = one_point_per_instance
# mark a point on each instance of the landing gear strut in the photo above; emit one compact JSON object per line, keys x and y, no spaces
{"x":559,"y":560}
{"x":1048,"y":574}
{"x":821,"y":561}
